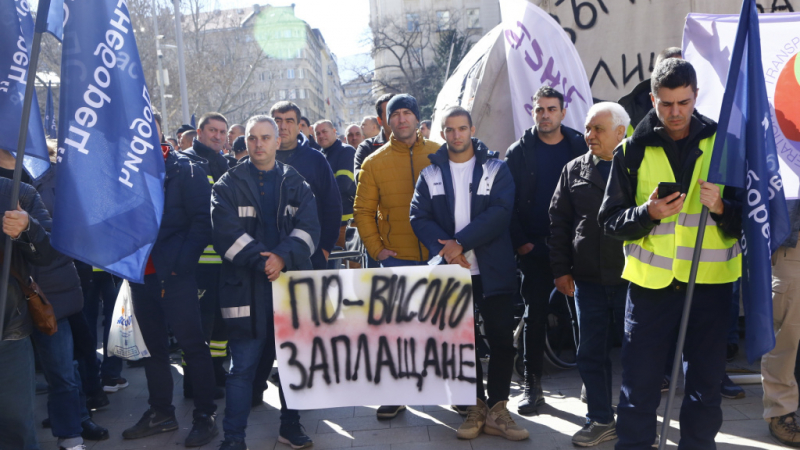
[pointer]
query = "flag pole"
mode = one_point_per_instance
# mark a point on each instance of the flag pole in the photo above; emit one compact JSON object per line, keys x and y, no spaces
{"x":40,"y":28}
{"x":687,"y":306}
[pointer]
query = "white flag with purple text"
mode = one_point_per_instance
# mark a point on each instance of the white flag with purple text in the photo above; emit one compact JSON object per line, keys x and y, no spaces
{"x":539,"y":52}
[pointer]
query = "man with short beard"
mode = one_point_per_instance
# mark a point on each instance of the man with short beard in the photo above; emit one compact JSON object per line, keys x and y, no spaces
{"x":536,"y":161}
{"x":385,"y":189}
{"x":465,"y":221}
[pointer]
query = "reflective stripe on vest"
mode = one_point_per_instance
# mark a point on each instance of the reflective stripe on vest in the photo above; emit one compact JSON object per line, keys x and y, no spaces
{"x":209,"y":256}
{"x":666,"y":252}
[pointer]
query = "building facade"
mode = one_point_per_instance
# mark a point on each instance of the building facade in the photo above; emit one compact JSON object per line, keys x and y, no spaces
{"x":359,"y":100}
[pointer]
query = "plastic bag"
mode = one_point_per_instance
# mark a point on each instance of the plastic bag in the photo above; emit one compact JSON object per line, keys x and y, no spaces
{"x":124,"y":338}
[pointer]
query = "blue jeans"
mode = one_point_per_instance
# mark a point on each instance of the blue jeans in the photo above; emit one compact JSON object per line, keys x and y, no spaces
{"x":246,"y":354}
{"x":652,"y":320}
{"x":97,"y":287}
{"x":17,"y":388}
{"x":601,"y":315}
{"x":66,"y":403}
{"x":394,"y":262}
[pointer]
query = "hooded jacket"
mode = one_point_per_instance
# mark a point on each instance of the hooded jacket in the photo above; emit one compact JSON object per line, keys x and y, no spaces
{"x":521,"y":160}
{"x":239,"y":232}
{"x":340,"y":157}
{"x":312,"y":165}
{"x":578,"y":246}
{"x":31,"y":248}
{"x":433,"y":215}
{"x":386,"y":185}
{"x":621,"y":217}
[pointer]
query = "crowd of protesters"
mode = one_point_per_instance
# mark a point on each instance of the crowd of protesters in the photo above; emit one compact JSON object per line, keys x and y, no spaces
{"x":576,"y":213}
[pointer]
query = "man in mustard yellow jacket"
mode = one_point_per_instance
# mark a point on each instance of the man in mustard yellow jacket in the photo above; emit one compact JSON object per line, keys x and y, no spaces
{"x":385,"y":187}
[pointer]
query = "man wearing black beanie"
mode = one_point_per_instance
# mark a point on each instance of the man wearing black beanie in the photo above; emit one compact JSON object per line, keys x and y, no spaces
{"x":238,"y":151}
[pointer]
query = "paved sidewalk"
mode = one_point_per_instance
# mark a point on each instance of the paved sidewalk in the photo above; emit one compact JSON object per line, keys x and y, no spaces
{"x":419,"y":427}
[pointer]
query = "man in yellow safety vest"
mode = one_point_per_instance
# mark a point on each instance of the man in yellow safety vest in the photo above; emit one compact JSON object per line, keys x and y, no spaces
{"x":672,"y":144}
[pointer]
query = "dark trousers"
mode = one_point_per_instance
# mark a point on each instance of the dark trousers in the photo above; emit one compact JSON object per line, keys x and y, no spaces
{"x":173,"y":302}
{"x":100,"y":287}
{"x":537,"y":284}
{"x":652,"y":320}
{"x":85,"y":347}
{"x":497,"y":312}
{"x":601,"y":316}
{"x":214,"y":330}
{"x":17,"y":387}
{"x":249,"y":356}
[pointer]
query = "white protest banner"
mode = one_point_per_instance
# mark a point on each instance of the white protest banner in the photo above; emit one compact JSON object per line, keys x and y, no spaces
{"x":708,"y":43}
{"x":393,"y":336}
{"x":538,"y":53}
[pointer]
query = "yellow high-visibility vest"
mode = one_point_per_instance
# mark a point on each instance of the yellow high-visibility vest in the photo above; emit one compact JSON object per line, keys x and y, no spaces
{"x":666,"y":252}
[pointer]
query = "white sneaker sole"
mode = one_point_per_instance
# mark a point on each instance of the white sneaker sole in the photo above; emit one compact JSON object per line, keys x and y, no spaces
{"x":283,"y":440}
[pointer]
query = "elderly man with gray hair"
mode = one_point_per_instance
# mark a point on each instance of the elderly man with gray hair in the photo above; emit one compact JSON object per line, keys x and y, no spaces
{"x":588,"y":264}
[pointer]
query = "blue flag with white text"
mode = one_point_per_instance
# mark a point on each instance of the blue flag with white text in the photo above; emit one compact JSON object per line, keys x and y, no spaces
{"x":50,"y":115}
{"x":16,"y":38}
{"x":55,"y":18}
{"x":745,"y":157}
{"x":111,"y":168}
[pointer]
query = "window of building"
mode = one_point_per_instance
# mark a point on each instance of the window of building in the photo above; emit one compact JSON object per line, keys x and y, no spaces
{"x":443,"y":20}
{"x":412,"y":22}
{"x":301,"y":73}
{"x":474,"y":18}
{"x":299,"y":53}
{"x":282,"y":94}
{"x":292,"y":94}
{"x":290,"y":74}
{"x":352,"y":111}
{"x":287,"y":33}
{"x":262,"y":76}
{"x":302,"y":93}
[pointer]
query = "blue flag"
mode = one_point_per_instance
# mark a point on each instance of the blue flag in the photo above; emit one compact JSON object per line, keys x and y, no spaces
{"x":192,"y":123}
{"x":16,"y":37}
{"x":50,"y":115}
{"x":111,"y":168}
{"x":55,"y":18}
{"x":745,"y":157}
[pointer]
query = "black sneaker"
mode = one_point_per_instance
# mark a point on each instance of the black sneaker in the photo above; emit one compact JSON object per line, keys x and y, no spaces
{"x":389,"y":412}
{"x":294,"y":435}
{"x":204,"y":428}
{"x":230,"y":444}
{"x":152,"y":422}
{"x":114,"y":384}
{"x":91,"y":431}
{"x":97,"y":400}
{"x":665,"y":384}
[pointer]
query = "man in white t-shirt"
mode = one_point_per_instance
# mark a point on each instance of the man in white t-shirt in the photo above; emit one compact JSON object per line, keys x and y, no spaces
{"x":461,"y":211}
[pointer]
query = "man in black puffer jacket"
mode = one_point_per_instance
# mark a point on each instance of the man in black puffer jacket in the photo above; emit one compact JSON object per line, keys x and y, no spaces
{"x":169,"y":296}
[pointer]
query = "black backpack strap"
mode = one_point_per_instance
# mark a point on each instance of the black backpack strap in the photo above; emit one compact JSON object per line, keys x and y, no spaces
{"x":634,"y":154}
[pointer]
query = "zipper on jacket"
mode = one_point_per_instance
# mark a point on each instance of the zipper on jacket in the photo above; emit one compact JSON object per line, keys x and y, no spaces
{"x":413,"y":187}
{"x":280,"y":199}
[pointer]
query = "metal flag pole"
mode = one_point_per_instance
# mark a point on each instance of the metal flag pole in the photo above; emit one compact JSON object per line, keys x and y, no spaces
{"x":40,"y":28}
{"x":687,"y":306}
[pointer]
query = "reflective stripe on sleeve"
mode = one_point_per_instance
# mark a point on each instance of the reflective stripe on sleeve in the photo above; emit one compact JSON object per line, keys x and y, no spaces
{"x":238,"y":246}
{"x":305,"y":237}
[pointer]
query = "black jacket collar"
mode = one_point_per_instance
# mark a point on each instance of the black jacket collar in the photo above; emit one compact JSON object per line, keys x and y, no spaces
{"x":650,"y":131}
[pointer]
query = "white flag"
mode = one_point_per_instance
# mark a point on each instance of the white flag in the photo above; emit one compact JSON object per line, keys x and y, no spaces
{"x":708,"y":43}
{"x":538,"y":53}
